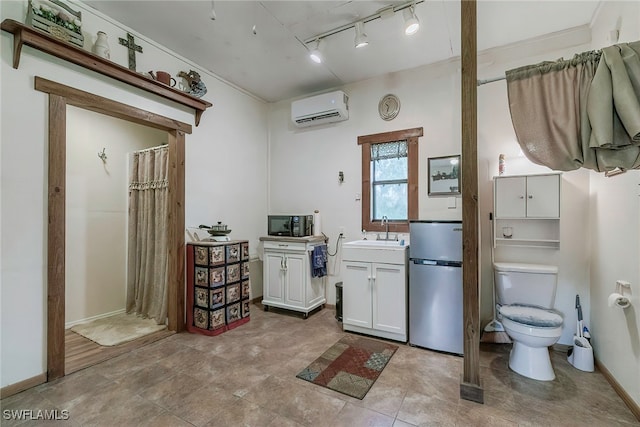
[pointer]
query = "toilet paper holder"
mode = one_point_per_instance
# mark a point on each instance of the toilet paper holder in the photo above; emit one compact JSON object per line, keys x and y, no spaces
{"x":621,"y":297}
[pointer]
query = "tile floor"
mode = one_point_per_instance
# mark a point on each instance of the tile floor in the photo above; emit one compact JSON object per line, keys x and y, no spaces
{"x":246,"y":377}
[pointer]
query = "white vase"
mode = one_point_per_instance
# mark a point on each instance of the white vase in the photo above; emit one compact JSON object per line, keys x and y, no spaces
{"x":101,"y":46}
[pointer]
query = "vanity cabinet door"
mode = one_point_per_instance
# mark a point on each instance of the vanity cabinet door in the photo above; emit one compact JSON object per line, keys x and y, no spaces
{"x":356,"y":294}
{"x":389,"y":298}
{"x":295,"y":279}
{"x":274,"y":274}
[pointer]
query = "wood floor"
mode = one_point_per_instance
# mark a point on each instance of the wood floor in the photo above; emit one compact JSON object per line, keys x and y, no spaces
{"x":81,"y":352}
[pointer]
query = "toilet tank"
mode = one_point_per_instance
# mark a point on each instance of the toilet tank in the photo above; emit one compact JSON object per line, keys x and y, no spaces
{"x":533,"y":284}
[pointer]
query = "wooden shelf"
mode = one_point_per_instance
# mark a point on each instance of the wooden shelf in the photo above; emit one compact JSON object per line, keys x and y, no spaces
{"x":25,"y":35}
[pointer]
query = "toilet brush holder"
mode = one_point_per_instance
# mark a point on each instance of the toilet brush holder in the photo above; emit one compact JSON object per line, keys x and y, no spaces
{"x":581,"y":354}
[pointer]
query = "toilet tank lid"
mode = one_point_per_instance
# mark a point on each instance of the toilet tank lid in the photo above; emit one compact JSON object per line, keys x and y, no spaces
{"x":525,"y":268}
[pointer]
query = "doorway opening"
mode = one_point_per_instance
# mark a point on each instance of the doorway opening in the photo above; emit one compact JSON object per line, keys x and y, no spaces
{"x":60,"y":96}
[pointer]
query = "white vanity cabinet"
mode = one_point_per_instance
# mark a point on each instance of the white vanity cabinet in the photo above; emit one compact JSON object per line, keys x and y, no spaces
{"x":527,"y":210}
{"x":374,"y":294}
{"x":287,"y":274}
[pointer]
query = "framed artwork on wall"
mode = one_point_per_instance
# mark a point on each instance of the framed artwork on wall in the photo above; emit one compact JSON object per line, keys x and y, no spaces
{"x":443,"y":176}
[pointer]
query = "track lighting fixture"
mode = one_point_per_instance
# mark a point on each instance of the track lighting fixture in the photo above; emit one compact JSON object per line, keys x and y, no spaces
{"x":361,"y":39}
{"x":315,"y":54}
{"x":411,"y":23}
{"x":411,"y":26}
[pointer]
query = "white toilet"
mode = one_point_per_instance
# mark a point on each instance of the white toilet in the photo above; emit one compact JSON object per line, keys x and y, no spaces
{"x":525,"y":295}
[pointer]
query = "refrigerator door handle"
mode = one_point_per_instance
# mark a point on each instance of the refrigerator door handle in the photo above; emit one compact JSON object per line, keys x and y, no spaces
{"x":424,"y":261}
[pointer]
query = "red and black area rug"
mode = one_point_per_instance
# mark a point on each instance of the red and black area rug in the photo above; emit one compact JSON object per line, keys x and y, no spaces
{"x":350,"y":366}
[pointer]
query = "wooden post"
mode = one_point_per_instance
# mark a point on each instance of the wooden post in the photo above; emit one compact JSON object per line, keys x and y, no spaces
{"x":56,"y":237}
{"x":470,"y":388}
{"x":175,"y":276}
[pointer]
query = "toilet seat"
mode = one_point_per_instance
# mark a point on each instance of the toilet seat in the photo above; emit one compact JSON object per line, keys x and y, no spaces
{"x":531,"y":320}
{"x":531,"y":315}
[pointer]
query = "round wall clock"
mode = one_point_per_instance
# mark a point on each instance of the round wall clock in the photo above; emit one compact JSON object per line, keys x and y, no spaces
{"x":389,"y":107}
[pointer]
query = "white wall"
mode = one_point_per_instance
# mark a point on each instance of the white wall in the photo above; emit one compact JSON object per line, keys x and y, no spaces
{"x":304,"y":163}
{"x":615,"y":235}
{"x":96,"y":210}
{"x":225,"y":169}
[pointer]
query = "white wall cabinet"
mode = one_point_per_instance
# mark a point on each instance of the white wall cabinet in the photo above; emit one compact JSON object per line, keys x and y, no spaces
{"x":527,"y":210}
{"x":374,"y":298}
{"x":288,"y":282}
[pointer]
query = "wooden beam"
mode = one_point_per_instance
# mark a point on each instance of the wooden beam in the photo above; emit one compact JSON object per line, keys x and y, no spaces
{"x":56,"y":237}
{"x":470,"y":387}
{"x":176,"y":273}
{"x":106,"y":106}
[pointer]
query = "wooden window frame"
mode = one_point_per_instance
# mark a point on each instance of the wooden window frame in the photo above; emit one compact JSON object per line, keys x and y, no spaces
{"x":411,"y":136}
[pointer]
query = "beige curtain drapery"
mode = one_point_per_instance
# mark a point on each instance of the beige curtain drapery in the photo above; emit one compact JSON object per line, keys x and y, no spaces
{"x":148,"y":232}
{"x":583,"y":112}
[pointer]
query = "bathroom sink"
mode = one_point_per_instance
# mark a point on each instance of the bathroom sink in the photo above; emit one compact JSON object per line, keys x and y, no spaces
{"x":382,"y":251}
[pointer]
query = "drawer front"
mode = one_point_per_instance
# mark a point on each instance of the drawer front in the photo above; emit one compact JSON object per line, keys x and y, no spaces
{"x":286,"y":246}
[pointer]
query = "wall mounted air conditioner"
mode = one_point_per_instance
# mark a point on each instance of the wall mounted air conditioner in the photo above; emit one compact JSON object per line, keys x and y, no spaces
{"x":326,"y":108}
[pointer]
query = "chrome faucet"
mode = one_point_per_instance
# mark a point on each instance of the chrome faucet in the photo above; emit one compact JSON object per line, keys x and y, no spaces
{"x":385,"y":222}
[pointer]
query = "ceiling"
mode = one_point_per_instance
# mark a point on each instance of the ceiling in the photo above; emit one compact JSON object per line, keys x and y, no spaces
{"x":259,"y":45}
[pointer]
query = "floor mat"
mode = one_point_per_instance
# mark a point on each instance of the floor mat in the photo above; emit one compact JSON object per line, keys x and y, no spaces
{"x":350,"y":366}
{"x":118,"y":329}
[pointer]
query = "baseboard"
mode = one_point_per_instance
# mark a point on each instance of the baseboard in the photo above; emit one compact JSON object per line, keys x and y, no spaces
{"x":631,"y":404}
{"x":331,"y":306}
{"x":16,"y":388}
{"x":89,"y":319}
{"x":256,"y":299}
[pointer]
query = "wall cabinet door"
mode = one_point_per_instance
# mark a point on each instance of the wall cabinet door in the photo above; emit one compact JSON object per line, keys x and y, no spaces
{"x":543,"y":196}
{"x":510,"y":197}
{"x":356,"y":294}
{"x":389,"y":298}
{"x":536,"y":196}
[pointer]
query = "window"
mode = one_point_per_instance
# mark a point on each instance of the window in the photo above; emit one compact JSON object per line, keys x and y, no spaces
{"x":390,"y":179}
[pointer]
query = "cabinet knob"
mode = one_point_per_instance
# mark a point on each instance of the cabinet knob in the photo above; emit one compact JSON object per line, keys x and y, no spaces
{"x":530,"y":196}
{"x":521,"y":197}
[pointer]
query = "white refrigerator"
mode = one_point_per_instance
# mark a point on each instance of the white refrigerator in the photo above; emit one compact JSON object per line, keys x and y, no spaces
{"x":435,"y":285}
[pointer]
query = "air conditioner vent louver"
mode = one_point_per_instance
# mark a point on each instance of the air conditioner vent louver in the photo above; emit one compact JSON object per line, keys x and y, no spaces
{"x":326,"y":108}
{"x":322,"y":117}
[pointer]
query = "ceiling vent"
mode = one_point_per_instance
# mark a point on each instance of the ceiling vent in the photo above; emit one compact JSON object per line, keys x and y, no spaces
{"x":320,"y":109}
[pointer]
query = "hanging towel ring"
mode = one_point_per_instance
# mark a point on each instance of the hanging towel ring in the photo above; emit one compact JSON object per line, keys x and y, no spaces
{"x":102,"y":155}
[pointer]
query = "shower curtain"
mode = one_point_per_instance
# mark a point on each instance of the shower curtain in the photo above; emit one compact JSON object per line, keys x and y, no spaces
{"x":582,"y":112}
{"x":147,"y":235}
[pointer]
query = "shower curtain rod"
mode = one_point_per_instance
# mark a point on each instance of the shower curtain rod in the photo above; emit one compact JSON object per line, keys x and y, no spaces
{"x":152,"y":148}
{"x":495,"y":79}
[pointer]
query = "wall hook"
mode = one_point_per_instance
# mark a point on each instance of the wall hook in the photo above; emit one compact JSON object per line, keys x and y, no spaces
{"x":102,"y":155}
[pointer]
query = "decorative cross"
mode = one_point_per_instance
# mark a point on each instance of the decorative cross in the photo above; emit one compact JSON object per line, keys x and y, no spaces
{"x":133,"y":48}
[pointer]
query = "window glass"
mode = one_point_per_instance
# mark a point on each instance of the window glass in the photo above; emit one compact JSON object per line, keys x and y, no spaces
{"x":390,"y":200}
{"x":389,"y":179}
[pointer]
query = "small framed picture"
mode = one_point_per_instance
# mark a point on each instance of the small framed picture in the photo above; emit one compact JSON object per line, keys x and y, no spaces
{"x":443,"y":177}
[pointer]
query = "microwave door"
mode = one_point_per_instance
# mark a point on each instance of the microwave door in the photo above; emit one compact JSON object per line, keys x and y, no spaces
{"x":280,"y":226}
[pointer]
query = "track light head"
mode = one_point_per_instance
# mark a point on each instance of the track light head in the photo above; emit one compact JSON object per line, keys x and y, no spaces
{"x":315,"y":54}
{"x":411,"y":23}
{"x":361,"y":39}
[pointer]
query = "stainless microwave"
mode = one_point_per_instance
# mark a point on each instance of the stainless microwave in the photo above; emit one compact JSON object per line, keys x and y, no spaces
{"x":290,"y":225}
